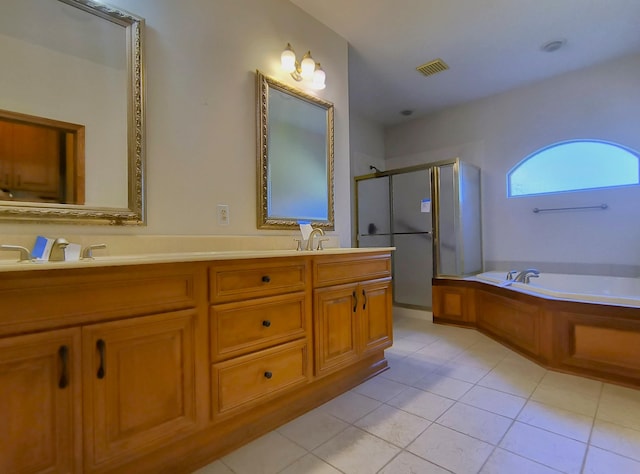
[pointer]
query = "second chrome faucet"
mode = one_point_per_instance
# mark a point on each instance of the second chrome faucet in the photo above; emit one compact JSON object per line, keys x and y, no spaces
{"x":317,"y":231}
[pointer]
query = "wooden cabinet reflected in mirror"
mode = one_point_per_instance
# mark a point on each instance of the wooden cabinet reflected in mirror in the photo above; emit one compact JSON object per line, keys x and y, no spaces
{"x":41,"y":160}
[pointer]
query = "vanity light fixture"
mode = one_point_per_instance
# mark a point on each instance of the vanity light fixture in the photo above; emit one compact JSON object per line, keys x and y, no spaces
{"x":307,"y":69}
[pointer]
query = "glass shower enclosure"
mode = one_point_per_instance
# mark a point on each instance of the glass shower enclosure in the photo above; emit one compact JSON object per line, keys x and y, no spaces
{"x":431,"y":214}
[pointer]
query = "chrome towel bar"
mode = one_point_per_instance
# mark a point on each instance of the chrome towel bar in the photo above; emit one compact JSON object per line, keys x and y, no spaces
{"x":602,"y":207}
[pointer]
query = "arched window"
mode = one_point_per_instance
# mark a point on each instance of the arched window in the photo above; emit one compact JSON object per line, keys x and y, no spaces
{"x":574,"y":165}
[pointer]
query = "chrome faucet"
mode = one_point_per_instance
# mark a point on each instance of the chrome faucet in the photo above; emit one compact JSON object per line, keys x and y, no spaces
{"x":25,"y":254}
{"x":87,"y":252}
{"x":510,"y":274}
{"x":314,"y":232}
{"x":525,"y":275}
{"x":57,"y":250}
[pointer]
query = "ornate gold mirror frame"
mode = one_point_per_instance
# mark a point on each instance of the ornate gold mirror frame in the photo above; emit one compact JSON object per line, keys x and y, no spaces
{"x":295,"y":157}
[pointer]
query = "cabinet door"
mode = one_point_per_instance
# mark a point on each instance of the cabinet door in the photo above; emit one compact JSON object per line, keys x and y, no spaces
{"x":40,"y":400}
{"x":6,"y":157}
{"x":377,"y":315}
{"x":336,"y":328}
{"x":36,"y":155}
{"x":139,"y":386}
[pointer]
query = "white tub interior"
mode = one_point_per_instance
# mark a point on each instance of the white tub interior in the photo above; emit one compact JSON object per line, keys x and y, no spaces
{"x":587,"y":288}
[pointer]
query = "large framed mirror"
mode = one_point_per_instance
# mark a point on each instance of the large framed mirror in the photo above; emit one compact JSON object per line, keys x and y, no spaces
{"x":71,"y":113}
{"x":295,"y":157}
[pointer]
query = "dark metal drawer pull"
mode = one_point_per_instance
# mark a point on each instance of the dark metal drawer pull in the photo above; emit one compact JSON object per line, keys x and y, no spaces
{"x":102,"y":370}
{"x":266,"y":279}
{"x":63,"y":352}
{"x":266,"y":323}
{"x":268,"y":375}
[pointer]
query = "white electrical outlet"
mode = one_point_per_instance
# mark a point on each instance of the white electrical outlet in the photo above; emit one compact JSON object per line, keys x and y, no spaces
{"x":223,"y":214}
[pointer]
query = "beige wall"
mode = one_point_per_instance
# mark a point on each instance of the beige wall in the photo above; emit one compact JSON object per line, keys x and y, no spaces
{"x":201,"y":57}
{"x":495,"y":133}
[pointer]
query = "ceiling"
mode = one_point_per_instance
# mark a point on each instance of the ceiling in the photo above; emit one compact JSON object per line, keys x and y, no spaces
{"x":490,"y":46}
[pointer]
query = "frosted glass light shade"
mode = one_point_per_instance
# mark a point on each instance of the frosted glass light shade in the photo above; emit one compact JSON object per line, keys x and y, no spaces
{"x":288,"y":60}
{"x":307,"y":67}
{"x":319,"y":77}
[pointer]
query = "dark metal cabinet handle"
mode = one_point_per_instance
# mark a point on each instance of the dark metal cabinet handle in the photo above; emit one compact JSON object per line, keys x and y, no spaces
{"x":101,"y":346}
{"x":266,"y":279}
{"x":364,"y":305}
{"x":268,"y":375}
{"x":266,"y":323}
{"x":63,"y":352}
{"x":355,"y":301}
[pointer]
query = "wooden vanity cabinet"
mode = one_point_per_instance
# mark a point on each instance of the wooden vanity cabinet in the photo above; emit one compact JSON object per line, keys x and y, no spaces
{"x":40,"y":403}
{"x":351,"y":319}
{"x":165,"y":367}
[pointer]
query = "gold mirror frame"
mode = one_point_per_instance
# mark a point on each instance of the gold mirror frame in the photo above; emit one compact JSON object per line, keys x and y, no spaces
{"x":264,"y":84}
{"x":134,"y":214}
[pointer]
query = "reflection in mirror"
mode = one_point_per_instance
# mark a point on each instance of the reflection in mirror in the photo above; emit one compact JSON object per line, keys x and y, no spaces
{"x":73,"y":68}
{"x":295,"y":156}
{"x":41,"y":160}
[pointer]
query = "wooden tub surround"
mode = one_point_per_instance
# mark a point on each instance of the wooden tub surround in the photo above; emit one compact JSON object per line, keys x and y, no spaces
{"x":164,"y":367}
{"x":594,"y":340}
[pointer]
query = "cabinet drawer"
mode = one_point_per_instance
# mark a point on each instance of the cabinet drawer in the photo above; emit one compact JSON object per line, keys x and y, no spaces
{"x":252,"y":379}
{"x":242,"y":327}
{"x":331,"y":270}
{"x":43,"y":299}
{"x":252,"y":279}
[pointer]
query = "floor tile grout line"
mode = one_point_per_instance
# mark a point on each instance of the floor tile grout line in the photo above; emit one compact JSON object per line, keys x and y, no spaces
{"x":513,"y":422}
{"x":593,"y":425}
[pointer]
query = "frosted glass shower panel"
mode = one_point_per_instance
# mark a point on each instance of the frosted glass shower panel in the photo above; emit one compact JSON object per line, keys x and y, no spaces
{"x":409,"y":190}
{"x":470,"y":218}
{"x":459,"y":237}
{"x":447,"y":218}
{"x":412,"y":269}
{"x":373,"y":206}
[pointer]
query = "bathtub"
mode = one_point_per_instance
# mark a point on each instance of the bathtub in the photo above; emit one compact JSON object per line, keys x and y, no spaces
{"x":581,"y":324}
{"x":618,"y":291}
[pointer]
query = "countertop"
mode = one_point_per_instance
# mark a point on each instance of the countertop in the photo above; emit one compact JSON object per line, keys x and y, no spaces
{"x":174,"y":257}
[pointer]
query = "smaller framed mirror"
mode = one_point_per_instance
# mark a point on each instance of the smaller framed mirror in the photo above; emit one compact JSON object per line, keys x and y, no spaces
{"x":295,"y":157}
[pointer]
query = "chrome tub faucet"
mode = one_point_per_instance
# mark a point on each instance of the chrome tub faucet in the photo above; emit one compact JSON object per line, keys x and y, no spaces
{"x":525,"y":275}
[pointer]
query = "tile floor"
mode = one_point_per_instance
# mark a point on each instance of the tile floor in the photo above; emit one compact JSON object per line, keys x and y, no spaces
{"x":455,"y":401}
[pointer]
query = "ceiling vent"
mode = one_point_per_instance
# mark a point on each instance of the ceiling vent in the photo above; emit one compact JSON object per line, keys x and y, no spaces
{"x":433,"y":67}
